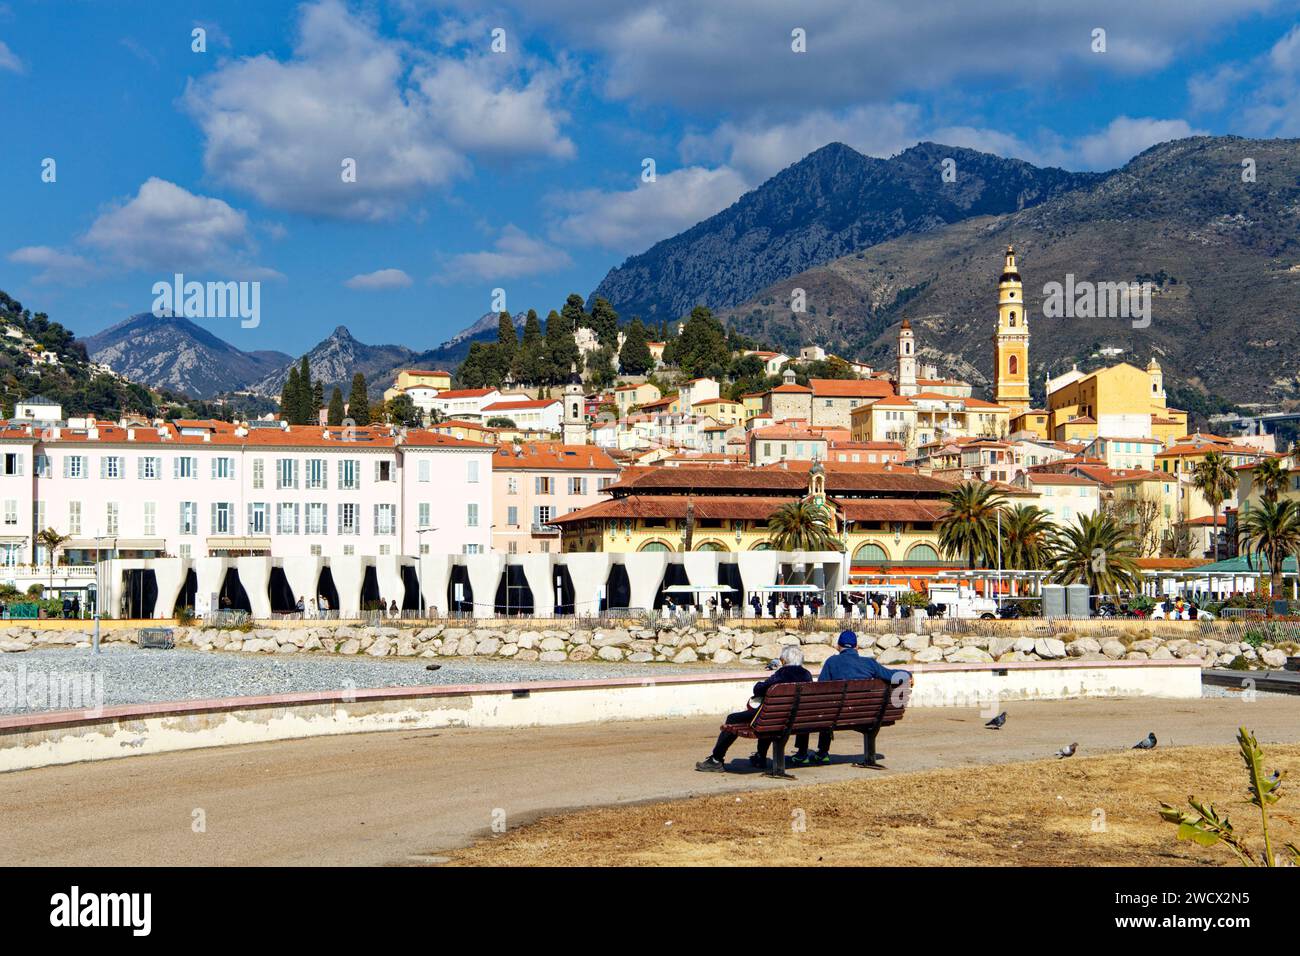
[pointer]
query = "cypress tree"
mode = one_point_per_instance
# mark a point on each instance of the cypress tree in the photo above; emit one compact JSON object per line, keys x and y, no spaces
{"x":604,"y":322}
{"x":335,"y":416}
{"x":635,"y":358}
{"x":359,"y":401}
{"x":289,"y":397}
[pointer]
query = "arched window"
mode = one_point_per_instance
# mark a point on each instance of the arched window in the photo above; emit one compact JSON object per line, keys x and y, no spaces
{"x":1013,"y":365}
{"x":923,"y":554}
{"x":654,"y":546}
{"x":710,"y":546}
{"x":1013,"y":320}
{"x":870,"y":554}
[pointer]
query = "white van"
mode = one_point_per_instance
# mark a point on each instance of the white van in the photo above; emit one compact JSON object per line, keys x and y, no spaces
{"x":961,"y":601}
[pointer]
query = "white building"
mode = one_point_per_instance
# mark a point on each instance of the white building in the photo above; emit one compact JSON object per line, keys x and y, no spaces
{"x":194,"y":489}
{"x":464,"y":402}
{"x":541,"y":414}
{"x":38,"y":409}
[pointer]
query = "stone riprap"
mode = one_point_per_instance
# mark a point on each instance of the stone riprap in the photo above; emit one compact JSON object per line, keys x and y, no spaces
{"x":636,"y":642}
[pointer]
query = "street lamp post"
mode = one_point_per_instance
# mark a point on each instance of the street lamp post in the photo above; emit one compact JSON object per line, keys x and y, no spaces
{"x":419,"y":562}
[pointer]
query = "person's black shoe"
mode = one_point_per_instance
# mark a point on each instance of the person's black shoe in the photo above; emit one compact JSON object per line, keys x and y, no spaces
{"x":711,"y":765}
{"x":756,"y":761}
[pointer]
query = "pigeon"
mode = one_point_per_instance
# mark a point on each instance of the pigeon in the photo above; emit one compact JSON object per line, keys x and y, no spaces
{"x":1067,"y":751}
{"x":1146,"y":743}
{"x":997,"y":722}
{"x":433,"y":667}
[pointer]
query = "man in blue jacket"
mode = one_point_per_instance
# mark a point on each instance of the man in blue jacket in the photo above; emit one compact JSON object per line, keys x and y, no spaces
{"x":849,"y":665}
{"x":791,"y":671}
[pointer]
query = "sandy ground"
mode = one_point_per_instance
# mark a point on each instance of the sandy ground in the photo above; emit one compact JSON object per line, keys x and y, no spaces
{"x":409,"y":797}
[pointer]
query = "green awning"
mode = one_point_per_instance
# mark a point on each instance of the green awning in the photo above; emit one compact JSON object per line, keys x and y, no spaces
{"x":1240,"y":565}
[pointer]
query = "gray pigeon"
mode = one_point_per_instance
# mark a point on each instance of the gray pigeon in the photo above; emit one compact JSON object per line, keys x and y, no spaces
{"x":1146,"y":743}
{"x":997,"y":722}
{"x":1067,"y":751}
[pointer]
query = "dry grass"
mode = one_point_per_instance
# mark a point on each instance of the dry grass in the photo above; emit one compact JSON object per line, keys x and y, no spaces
{"x":1028,"y":814}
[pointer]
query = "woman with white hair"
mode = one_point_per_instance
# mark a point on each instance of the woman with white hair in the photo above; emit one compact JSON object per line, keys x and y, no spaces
{"x":791,"y":671}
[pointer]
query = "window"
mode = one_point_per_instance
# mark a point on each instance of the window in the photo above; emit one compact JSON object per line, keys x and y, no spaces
{"x":349,"y":549}
{"x":223,"y":517}
{"x":604,"y":483}
{"x":316,"y":518}
{"x":150,"y":526}
{"x":577,"y":486}
{"x":11,"y":511}
{"x":185,"y":466}
{"x":512,"y":485}
{"x":315,"y":551}
{"x":422,"y":521}
{"x":111,"y":466}
{"x":383,"y":471}
{"x":349,"y":522}
{"x":286,"y":473}
{"x":259,"y":518}
{"x":74,"y":517}
{"x":422,"y":471}
{"x":189,"y":517}
{"x":74,"y":466}
{"x":223,"y":467}
{"x":384,"y":523}
{"x":349,"y":474}
{"x":471,"y":515}
{"x":1013,"y":365}
{"x":472,"y":471}
{"x":512,"y":516}
{"x":11,"y":464}
{"x":473,"y":549}
{"x":110,"y":517}
{"x":317,"y":473}
{"x":149,"y":468}
{"x":542,"y":514}
{"x":286,"y":518}
{"x":542,"y":485}
{"x":186,"y":551}
{"x":259,"y":473}
{"x":42,"y":466}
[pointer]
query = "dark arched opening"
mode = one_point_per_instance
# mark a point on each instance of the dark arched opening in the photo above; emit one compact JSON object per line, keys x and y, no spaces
{"x":514,"y":596}
{"x":460,"y":593}
{"x":189,"y":591}
{"x":371,"y":600}
{"x":283,"y":600}
{"x":675,"y":573}
{"x":141,"y":592}
{"x":411,"y":598}
{"x":232,"y":596}
{"x":729,"y":577}
{"x":562,"y":585}
{"x":618,"y":589}
{"x":326,"y":591}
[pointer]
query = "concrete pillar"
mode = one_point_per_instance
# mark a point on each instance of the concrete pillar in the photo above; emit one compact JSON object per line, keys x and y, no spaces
{"x":589,"y":570}
{"x":169,"y":574}
{"x":388,"y":572}
{"x":303,"y":574}
{"x":541,"y":581}
{"x":255,"y":576}
{"x":645,"y":570}
{"x":484,"y":576}
{"x":348,"y":572}
{"x":210,"y":572}
{"x":435,"y":570}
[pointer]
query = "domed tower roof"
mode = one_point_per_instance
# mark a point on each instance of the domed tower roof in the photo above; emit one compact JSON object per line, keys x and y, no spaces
{"x":1009,"y":271}
{"x":574,"y":377}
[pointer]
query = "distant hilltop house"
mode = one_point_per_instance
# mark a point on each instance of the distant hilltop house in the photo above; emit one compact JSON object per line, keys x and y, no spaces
{"x":422,"y":386}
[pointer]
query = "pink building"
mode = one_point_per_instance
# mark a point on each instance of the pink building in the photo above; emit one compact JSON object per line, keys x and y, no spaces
{"x":535,"y":482}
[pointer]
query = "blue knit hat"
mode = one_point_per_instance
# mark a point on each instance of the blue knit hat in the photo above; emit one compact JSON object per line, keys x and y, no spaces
{"x":847,"y":639}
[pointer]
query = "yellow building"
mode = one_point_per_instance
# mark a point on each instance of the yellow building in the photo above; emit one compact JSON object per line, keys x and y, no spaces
{"x":1032,"y":421}
{"x":418,"y":378}
{"x":722,"y":410}
{"x":1011,"y":340}
{"x":926,"y":418}
{"x":1122,"y":400}
{"x":628,"y":397}
{"x":1146,"y":501}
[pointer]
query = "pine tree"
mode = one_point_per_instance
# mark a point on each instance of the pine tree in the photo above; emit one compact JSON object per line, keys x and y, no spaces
{"x":635,"y":358}
{"x":317,"y":400}
{"x":335,"y":415}
{"x":302,"y":404}
{"x":527,"y":365}
{"x":359,"y":401}
{"x":604,"y":322}
{"x":575,"y":312}
{"x":506,"y":338}
{"x":701,"y":349}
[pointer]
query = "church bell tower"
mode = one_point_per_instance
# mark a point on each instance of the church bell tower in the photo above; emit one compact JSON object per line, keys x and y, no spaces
{"x":575,"y":420}
{"x":1011,"y":341}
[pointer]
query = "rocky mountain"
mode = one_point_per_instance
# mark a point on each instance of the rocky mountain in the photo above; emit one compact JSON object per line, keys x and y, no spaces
{"x":1221,"y":250}
{"x":174,"y":353}
{"x":337,"y":358}
{"x":831,"y":203}
{"x":484,"y":328}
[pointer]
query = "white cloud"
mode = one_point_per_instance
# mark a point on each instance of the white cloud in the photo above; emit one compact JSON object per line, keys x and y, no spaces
{"x":736,"y":54}
{"x":55,"y":266}
{"x":381,"y":279}
{"x":514,"y":254}
{"x":280,"y":130}
{"x":630,"y":220}
{"x":1125,"y":136}
{"x":165,"y":227}
{"x":1263,"y":93}
{"x":9,"y":59}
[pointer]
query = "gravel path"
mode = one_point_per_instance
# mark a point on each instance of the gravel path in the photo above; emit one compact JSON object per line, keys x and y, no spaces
{"x":133,"y":676}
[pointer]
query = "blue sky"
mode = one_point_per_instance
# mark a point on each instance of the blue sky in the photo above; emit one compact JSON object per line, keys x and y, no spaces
{"x":522,"y":170}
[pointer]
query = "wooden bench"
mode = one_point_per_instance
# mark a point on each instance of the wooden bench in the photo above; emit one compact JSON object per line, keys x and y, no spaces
{"x":861,"y":705}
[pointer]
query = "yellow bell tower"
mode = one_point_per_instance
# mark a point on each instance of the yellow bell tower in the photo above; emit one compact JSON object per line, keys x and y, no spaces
{"x":1011,"y":341}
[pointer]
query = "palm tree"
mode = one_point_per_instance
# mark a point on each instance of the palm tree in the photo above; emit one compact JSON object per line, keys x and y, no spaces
{"x":1271,"y":477}
{"x":1027,"y":535}
{"x":1271,"y":532}
{"x":52,"y":541}
{"x":970,"y":526}
{"x":802,"y":526}
{"x":1214,"y":478}
{"x":1096,"y":552}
